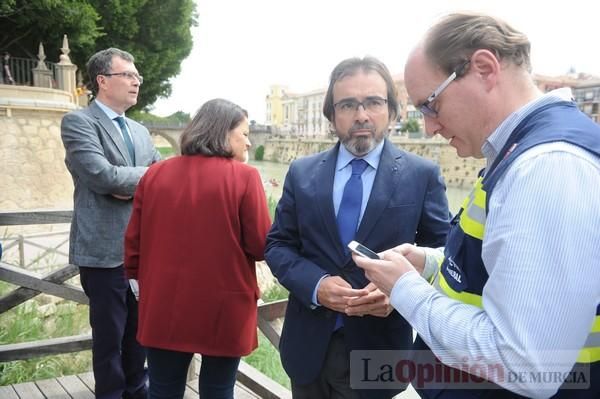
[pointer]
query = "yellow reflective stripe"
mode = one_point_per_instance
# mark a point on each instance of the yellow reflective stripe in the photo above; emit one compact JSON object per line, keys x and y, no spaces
{"x":472,"y":219}
{"x":465,"y":297}
{"x":480,"y":195}
{"x":596,"y":325}
{"x":471,"y":226}
{"x":440,"y":260}
{"x":589,"y":355}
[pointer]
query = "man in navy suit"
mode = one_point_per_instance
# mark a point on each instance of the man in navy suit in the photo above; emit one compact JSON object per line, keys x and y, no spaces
{"x":333,"y":309}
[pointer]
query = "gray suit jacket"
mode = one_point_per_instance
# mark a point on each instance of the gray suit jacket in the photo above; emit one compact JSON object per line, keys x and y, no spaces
{"x":99,"y":163}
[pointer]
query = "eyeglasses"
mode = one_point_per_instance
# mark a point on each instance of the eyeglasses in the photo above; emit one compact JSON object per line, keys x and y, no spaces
{"x":350,"y":105}
{"x":128,"y":75}
{"x":425,"y":108}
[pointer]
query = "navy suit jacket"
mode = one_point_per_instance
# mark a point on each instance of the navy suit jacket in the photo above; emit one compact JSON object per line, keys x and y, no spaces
{"x":407,"y":204}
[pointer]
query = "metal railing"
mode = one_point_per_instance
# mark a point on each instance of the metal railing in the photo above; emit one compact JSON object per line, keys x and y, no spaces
{"x":21,"y":70}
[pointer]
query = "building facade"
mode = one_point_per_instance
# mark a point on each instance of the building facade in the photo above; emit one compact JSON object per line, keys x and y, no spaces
{"x":301,"y":114}
{"x":587,"y":96}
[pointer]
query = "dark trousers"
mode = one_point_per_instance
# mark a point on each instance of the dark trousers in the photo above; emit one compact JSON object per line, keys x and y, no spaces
{"x":117,"y":358}
{"x":168,"y":372}
{"x":333,"y":381}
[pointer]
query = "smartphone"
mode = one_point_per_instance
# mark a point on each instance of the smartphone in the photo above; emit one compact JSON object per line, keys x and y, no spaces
{"x":361,"y":250}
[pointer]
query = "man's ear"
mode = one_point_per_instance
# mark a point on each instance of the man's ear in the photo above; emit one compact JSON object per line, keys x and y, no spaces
{"x":487,"y":67}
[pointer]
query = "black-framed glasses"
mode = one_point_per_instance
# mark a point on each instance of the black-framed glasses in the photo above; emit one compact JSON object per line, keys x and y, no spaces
{"x":349,"y":106}
{"x":128,"y":75}
{"x":425,"y":108}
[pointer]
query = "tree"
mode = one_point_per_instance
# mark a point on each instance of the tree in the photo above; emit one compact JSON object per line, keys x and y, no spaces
{"x":26,"y":23}
{"x":411,"y":126}
{"x":156,"y":32}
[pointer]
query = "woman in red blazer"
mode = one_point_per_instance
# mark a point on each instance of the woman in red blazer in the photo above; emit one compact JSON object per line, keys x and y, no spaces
{"x":199,"y":223}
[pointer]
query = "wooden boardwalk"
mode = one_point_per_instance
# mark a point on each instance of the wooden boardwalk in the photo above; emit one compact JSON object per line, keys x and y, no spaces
{"x":82,"y":387}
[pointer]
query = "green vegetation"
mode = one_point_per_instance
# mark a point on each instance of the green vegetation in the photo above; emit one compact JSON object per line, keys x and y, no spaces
{"x":178,"y":118}
{"x":165,"y":152}
{"x":411,"y":126}
{"x":259,"y":154}
{"x":27,"y":323}
{"x":156,"y":32}
{"x":272,"y":204}
{"x":266,"y":359}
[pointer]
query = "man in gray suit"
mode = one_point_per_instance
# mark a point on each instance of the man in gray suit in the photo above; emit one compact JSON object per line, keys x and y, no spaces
{"x":107,"y":154}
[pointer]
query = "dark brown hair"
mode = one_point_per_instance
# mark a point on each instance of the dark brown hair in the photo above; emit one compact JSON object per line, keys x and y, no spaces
{"x":101,"y":63}
{"x":349,"y":67}
{"x":207,"y":133}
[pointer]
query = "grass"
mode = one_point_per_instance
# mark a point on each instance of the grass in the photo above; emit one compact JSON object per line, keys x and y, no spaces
{"x":165,"y":152}
{"x":27,"y":323}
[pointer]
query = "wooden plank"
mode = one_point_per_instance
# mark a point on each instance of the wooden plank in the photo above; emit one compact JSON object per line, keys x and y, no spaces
{"x":260,"y":384}
{"x":88,"y":380}
{"x":239,"y":391}
{"x":53,"y":346}
{"x":75,"y":387}
{"x":20,"y":295}
{"x":24,"y":278}
{"x":38,"y":216}
{"x":28,"y":390}
{"x":7,"y":392}
{"x":272,"y":310}
{"x":267,"y":329}
{"x":52,"y":389}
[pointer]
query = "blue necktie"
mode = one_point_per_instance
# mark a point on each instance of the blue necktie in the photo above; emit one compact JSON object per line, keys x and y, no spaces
{"x":349,"y":212}
{"x":121,"y":121}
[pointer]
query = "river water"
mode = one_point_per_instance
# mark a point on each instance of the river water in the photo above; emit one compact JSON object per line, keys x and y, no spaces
{"x":275,"y":172}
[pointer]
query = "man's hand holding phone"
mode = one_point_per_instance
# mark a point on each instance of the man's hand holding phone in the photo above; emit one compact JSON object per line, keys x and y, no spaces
{"x":384,"y":271}
{"x":361,"y":250}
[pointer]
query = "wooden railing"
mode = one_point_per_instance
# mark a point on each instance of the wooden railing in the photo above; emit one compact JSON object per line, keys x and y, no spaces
{"x":31,"y":284}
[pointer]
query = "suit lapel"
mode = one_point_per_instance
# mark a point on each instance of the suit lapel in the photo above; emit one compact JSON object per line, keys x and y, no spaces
{"x":110,"y":129}
{"x":323,"y":183}
{"x":386,"y":182}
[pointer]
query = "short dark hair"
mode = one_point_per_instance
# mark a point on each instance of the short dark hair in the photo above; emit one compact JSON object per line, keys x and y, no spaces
{"x":455,"y":38}
{"x":207,"y":133}
{"x":101,"y":63}
{"x":349,"y":67}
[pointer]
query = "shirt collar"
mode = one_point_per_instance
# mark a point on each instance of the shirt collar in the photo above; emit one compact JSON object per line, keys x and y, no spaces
{"x":109,"y":112}
{"x":372,"y":158}
{"x":495,"y":142}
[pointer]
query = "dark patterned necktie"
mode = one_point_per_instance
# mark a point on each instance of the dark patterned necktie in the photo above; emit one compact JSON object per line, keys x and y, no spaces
{"x":121,"y":121}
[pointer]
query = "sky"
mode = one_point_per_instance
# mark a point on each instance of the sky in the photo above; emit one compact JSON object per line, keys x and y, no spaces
{"x":241,"y":47}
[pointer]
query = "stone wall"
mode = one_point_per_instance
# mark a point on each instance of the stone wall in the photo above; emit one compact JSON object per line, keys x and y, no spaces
{"x":458,"y":172}
{"x":33,"y":172}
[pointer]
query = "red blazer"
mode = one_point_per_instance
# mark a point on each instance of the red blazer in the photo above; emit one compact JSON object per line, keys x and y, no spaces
{"x":198,"y":225}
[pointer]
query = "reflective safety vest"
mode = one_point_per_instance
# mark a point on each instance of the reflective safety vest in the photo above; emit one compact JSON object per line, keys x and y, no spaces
{"x":462,"y":274}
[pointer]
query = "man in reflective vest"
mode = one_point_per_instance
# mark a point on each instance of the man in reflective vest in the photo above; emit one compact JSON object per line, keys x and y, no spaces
{"x":511,"y":307}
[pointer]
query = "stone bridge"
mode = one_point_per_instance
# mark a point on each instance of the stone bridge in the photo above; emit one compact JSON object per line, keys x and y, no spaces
{"x":172,"y":133}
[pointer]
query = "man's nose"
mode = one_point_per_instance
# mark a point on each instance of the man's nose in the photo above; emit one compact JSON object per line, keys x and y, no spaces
{"x":432,"y":126}
{"x":361,"y":113}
